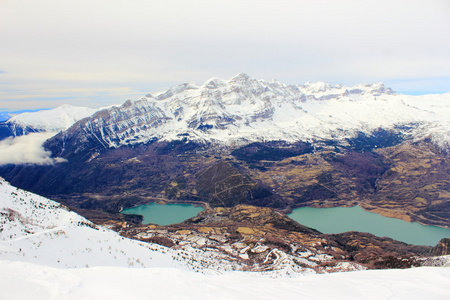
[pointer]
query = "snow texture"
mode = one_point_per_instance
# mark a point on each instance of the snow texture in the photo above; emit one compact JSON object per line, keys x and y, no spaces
{"x":38,"y":230}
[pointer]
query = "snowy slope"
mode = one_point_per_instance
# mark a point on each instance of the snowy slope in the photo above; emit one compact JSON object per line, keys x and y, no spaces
{"x":244,"y":109}
{"x":30,"y":281}
{"x":35,"y":229}
{"x":52,"y":120}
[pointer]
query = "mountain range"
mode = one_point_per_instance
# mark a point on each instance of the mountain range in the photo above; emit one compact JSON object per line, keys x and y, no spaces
{"x":243,"y":110}
{"x":257,"y":142}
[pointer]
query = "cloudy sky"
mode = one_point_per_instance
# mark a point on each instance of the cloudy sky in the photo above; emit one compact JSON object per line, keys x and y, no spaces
{"x":100,"y":52}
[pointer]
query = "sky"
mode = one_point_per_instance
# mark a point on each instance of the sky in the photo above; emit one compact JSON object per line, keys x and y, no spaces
{"x":96,"y":53}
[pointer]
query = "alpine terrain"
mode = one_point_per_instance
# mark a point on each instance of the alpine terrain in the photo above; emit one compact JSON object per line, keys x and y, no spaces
{"x":257,"y":142}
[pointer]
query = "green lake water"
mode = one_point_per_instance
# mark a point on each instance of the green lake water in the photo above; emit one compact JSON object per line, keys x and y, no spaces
{"x":164,"y":214}
{"x":343,"y":219}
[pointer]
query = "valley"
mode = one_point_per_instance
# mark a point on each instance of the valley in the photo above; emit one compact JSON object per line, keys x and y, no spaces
{"x":406,"y":181}
{"x":261,"y":239}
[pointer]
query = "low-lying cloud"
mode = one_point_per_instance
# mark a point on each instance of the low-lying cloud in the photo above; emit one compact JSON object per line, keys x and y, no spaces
{"x":27,"y":149}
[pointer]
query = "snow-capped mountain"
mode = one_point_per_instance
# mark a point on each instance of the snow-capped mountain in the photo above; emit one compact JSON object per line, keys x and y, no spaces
{"x":53,"y":120}
{"x":244,"y":109}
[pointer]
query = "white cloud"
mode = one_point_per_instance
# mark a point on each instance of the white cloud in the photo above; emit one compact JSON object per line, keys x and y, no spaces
{"x":27,"y":149}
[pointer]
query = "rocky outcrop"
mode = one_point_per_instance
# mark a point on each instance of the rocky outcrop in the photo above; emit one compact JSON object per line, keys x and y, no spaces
{"x":442,"y":248}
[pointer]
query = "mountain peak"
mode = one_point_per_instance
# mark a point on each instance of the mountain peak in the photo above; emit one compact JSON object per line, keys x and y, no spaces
{"x":317,"y":87}
{"x":241,"y":77}
{"x":214,"y":83}
{"x":376,"y":88}
{"x":127,"y":103}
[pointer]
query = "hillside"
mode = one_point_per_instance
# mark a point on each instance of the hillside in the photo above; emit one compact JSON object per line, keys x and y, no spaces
{"x":35,"y":229}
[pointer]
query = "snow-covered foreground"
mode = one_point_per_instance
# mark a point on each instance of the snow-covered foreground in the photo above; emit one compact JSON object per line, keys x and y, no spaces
{"x":20,"y":280}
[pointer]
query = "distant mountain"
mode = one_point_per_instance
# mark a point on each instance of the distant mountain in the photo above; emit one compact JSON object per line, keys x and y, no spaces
{"x":6,"y":115}
{"x":53,"y":120}
{"x":243,"y":110}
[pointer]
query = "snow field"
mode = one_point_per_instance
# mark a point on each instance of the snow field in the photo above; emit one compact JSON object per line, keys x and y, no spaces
{"x":20,"y":280}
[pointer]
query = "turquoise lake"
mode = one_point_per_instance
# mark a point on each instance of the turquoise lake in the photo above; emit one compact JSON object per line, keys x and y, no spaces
{"x":343,"y":219}
{"x":164,"y":214}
